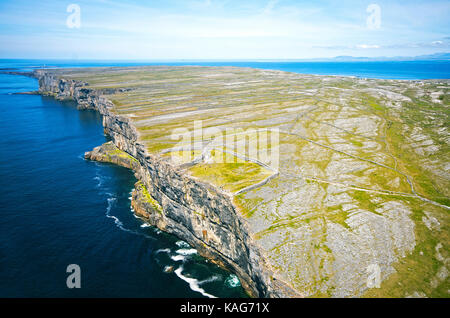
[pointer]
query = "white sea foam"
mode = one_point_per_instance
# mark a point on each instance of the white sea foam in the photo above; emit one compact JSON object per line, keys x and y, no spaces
{"x":163,"y":250}
{"x":178,"y":258}
{"x":111,"y":201}
{"x":185,"y":251}
{"x":210,"y":280}
{"x":232,"y":281}
{"x":145,"y":225}
{"x":100,"y":179}
{"x":193,"y":283}
{"x":182,"y":244}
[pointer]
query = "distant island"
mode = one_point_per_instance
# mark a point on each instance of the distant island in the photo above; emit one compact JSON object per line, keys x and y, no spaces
{"x":349,"y":58}
{"x":428,"y":57}
{"x":345,"y":195}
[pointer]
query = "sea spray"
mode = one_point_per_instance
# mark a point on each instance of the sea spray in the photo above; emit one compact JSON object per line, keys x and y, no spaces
{"x":194,"y":284}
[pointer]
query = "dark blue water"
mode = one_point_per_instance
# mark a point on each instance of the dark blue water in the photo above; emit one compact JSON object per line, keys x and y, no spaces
{"x":58,"y":209}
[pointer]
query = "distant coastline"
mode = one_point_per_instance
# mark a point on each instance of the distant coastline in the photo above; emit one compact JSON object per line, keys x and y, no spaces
{"x":413,"y":69}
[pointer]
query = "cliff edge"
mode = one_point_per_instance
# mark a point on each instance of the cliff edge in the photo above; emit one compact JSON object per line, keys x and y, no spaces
{"x":351,"y":200}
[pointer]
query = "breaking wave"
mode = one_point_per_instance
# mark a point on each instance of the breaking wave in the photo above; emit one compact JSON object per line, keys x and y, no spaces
{"x":163,"y":250}
{"x":111,"y":201}
{"x":194,"y":284}
{"x":232,"y":281}
{"x":178,"y":258}
{"x":186,"y":252}
{"x":182,"y":244}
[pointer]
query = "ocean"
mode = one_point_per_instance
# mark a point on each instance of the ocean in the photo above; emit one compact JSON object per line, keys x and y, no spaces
{"x":401,"y":70}
{"x":59,"y":209}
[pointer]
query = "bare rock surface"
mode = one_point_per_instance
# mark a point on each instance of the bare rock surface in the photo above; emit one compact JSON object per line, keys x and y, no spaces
{"x":356,"y":204}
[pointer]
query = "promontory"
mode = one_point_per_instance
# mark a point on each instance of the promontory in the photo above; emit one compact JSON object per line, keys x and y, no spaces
{"x":301,"y":185}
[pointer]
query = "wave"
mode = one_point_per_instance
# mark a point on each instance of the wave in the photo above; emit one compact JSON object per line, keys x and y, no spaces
{"x":163,"y":250}
{"x":232,"y":281}
{"x":181,"y":255}
{"x":100,"y":179}
{"x":185,"y":251}
{"x":214,"y":278}
{"x":182,"y":244}
{"x":194,"y":284}
{"x":178,"y":258}
{"x":111,"y":200}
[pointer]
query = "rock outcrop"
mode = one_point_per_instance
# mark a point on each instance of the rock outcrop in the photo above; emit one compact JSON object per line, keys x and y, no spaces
{"x":351,"y":202}
{"x":175,"y":202}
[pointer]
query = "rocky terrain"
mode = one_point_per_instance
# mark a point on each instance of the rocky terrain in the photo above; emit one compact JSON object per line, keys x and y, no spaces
{"x":346,"y":193}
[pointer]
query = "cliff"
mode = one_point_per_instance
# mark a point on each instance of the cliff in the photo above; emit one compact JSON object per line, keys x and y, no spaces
{"x":175,"y":202}
{"x":351,"y":202}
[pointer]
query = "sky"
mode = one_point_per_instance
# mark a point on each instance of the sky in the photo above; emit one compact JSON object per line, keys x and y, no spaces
{"x":222,"y":29}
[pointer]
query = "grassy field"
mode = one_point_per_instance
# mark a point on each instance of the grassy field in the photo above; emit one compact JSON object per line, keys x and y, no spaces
{"x":361,"y":177}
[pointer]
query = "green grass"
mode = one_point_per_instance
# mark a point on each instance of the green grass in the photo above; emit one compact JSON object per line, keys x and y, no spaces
{"x":230,"y":176}
{"x":141,"y":187}
{"x":416,"y":271}
{"x":338,"y":216}
{"x":427,"y":184}
{"x":364,"y":200}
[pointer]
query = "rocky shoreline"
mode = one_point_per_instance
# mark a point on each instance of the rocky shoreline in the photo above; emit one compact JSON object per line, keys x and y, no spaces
{"x":175,"y":202}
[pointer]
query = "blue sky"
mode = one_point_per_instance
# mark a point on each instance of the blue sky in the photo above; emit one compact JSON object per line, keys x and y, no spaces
{"x":223,"y":29}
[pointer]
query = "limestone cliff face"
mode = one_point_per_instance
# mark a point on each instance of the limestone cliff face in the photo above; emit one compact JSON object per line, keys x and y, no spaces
{"x":172,"y":200}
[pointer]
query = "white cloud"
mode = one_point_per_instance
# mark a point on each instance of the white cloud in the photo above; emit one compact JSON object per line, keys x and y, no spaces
{"x":367,"y":46}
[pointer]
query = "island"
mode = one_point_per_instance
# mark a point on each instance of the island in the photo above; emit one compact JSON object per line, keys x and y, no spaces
{"x":301,"y":185}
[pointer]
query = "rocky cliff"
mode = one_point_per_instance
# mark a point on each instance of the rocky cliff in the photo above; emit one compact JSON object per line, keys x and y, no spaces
{"x":351,"y":202}
{"x":171,"y":200}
